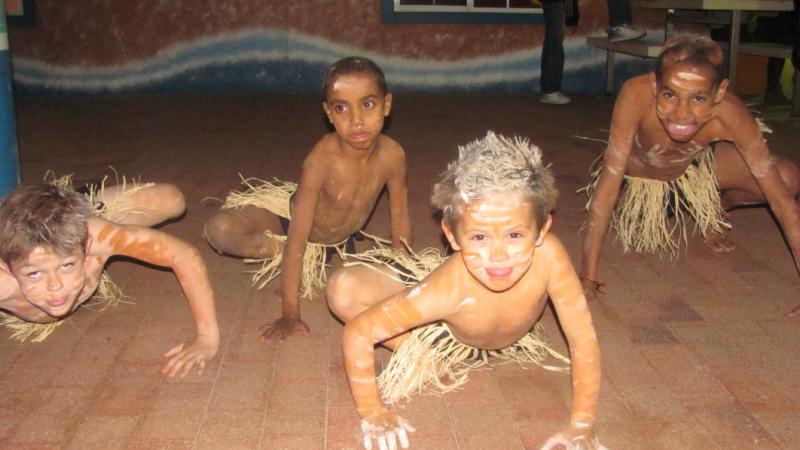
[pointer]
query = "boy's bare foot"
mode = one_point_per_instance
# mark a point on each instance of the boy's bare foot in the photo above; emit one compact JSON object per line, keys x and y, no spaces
{"x":283,"y":328}
{"x":719,"y":242}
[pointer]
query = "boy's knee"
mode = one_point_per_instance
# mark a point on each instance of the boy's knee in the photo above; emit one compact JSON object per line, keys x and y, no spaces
{"x":339,"y":293}
{"x":216,"y":228}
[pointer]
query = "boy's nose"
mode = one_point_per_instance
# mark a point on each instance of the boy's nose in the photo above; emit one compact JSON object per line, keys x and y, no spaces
{"x":498,"y":253}
{"x":681,"y":111}
{"x":54,"y":283}
{"x":358,"y":117}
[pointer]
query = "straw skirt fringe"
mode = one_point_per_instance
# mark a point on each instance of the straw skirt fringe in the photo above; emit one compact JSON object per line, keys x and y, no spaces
{"x":640,"y":217}
{"x":275,"y":196}
{"x":107,"y":293}
{"x":431,"y":359}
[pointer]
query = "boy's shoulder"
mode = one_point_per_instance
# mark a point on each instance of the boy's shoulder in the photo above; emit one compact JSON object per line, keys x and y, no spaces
{"x":637,"y":85}
{"x":553,"y":249}
{"x":390,"y":148}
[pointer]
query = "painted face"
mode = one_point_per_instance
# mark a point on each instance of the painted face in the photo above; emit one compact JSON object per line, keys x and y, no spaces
{"x":357,"y":108}
{"x":497,"y":238}
{"x":685,"y":99}
{"x":49,"y":281}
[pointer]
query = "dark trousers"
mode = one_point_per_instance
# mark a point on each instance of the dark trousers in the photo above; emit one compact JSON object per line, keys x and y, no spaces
{"x":619,"y":13}
{"x":553,"y":47}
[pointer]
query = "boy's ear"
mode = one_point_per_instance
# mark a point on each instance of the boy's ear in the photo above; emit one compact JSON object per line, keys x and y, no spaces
{"x":544,"y":230}
{"x":653,"y":83}
{"x":327,"y":111}
{"x":88,"y":246}
{"x":387,"y":104}
{"x":722,"y":89}
{"x":451,"y":238}
{"x":5,"y":268}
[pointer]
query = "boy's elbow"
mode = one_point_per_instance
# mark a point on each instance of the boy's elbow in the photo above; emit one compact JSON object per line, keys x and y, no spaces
{"x":176,"y":200}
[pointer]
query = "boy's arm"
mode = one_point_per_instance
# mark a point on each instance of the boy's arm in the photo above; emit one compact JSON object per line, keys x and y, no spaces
{"x":624,"y":123}
{"x":397,"y":186}
{"x":162,"y":249}
{"x":759,"y":160}
{"x":398,"y":314}
{"x":572,"y":310}
{"x":303,"y":208}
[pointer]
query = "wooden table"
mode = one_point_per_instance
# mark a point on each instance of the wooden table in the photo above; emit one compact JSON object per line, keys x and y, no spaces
{"x":734,"y":6}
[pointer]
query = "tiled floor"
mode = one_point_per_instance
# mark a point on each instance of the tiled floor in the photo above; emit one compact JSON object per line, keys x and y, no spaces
{"x":697,"y":351}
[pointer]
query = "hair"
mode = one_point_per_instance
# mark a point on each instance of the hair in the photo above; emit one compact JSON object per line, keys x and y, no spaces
{"x":495,"y":165}
{"x":351,"y":65}
{"x":694,"y":50}
{"x":42,"y":214}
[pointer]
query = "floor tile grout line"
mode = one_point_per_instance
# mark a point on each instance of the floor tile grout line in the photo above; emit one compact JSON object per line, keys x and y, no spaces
{"x":223,"y":355}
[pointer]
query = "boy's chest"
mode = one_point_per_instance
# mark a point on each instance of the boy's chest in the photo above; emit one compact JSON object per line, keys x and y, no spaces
{"x":346,"y":184}
{"x":495,"y":321}
{"x":655,"y":153}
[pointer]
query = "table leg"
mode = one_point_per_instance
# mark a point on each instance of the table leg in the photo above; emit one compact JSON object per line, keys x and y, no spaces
{"x":733,"y":53}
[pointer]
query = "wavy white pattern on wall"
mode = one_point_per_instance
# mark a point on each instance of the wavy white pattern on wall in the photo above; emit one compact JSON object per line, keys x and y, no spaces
{"x":265,"y":60}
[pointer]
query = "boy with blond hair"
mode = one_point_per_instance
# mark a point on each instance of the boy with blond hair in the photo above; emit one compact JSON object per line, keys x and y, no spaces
{"x":341,"y":180}
{"x":55,"y":243}
{"x":478,"y":305}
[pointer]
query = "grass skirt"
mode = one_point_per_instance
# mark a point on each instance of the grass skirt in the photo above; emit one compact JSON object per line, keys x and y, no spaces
{"x":107,"y":293}
{"x":275,"y":196}
{"x":641,"y":218}
{"x":431,"y":359}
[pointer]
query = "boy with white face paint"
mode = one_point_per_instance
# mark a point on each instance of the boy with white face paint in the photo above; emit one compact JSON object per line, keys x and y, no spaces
{"x":481,"y":303}
{"x":679,"y":140}
{"x":55,"y":243}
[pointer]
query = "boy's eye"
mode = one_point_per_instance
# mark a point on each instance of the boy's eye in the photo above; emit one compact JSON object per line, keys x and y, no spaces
{"x":478,"y":237}
{"x":338,"y":108}
{"x":699,"y":98}
{"x":369,"y":104}
{"x":33,"y":275}
{"x":515,"y":235}
{"x":68,"y":266}
{"x":669,"y":95}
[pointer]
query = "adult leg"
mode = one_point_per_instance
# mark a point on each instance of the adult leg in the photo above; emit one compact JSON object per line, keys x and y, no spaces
{"x":352,"y":290}
{"x":552,"y":68}
{"x":619,"y":13}
{"x":242,"y":232}
{"x":147,"y":206}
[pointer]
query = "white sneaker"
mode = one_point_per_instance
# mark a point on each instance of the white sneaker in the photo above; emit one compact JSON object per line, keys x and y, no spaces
{"x":554,"y":98}
{"x":624,"y":32}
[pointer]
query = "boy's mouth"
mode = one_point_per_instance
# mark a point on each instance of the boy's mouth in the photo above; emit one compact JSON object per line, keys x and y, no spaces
{"x":56,"y":303}
{"x":681,"y":130}
{"x":360,"y":136}
{"x":499,"y":272}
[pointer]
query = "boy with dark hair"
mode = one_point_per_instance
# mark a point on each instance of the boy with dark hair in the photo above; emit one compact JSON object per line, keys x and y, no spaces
{"x":679,"y":141}
{"x":54,"y":245}
{"x":477,"y":306}
{"x":341,"y":180}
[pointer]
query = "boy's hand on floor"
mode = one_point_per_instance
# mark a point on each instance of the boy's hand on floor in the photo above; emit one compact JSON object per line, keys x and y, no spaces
{"x":182,"y":357}
{"x":283,"y":328}
{"x":387,"y":429}
{"x":575,"y":438}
